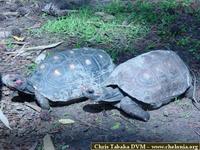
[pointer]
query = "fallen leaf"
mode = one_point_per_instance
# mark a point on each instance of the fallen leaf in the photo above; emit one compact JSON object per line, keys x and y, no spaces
{"x":66,"y":121}
{"x":19,"y":39}
{"x":4,"y":119}
{"x":47,"y":143}
{"x":116,"y":126}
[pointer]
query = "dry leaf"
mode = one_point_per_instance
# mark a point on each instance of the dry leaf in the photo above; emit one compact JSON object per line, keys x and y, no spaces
{"x":19,"y":39}
{"x":47,"y":143}
{"x":4,"y":119}
{"x":66,"y":121}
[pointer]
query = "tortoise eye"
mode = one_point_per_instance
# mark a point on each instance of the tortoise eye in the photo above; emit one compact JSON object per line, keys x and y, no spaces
{"x":90,"y":91}
{"x":14,"y":80}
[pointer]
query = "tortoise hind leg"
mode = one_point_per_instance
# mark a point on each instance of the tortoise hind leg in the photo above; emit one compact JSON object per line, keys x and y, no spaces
{"x":133,"y":109}
{"x":191,"y":94}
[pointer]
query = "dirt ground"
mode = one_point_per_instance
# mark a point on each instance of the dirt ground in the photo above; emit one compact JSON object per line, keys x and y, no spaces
{"x":178,"y":121}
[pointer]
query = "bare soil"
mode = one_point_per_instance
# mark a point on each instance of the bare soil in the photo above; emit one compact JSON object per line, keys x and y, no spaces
{"x":178,"y":121}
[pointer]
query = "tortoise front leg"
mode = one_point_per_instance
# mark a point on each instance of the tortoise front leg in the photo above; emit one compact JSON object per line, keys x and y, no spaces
{"x":42,"y":101}
{"x":44,"y":104}
{"x":133,"y":109}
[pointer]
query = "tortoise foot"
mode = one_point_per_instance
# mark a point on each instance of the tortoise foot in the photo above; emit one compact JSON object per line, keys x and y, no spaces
{"x":45,"y":115}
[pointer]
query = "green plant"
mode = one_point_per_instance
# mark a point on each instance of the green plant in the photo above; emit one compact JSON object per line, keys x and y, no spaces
{"x":30,"y":68}
{"x":9,"y":43}
{"x":89,"y":28}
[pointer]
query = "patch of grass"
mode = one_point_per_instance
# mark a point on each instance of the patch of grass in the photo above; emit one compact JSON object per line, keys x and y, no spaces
{"x":130,"y":23}
{"x":192,"y":44}
{"x":9,"y":43}
{"x":90,"y":28}
{"x":116,"y":7}
{"x":30,"y":68}
{"x":154,"y":13}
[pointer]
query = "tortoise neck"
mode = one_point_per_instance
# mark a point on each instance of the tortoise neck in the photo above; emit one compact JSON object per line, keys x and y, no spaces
{"x":28,"y":89}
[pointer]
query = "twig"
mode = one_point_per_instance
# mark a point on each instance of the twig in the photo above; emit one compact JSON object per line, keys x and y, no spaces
{"x":24,"y":50}
{"x":9,"y":13}
{"x":20,"y":51}
{"x":38,"y":109}
{"x":43,"y":47}
{"x":19,"y":43}
{"x":198,"y":133}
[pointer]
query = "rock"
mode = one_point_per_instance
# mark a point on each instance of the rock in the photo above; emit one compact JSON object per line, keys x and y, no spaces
{"x":108,"y":17}
{"x":16,"y":32}
{"x":4,"y":34}
{"x":105,"y":16}
{"x":2,"y":17}
{"x":13,"y":8}
{"x":58,"y":7}
{"x":22,"y":11}
{"x":40,"y":57}
{"x":165,"y":113}
{"x":2,"y":48}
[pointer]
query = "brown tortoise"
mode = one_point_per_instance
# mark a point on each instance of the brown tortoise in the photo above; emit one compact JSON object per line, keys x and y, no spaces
{"x":149,"y":80}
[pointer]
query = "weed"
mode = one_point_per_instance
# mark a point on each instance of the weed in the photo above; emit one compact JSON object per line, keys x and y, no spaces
{"x":140,"y":18}
{"x":9,"y":43}
{"x":89,"y":28}
{"x":30,"y":68}
{"x":192,"y":44}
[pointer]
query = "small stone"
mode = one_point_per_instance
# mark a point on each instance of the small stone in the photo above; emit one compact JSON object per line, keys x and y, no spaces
{"x":100,"y":14}
{"x":2,"y":17}
{"x":22,"y":11}
{"x":16,"y":32}
{"x":108,"y":17}
{"x":4,"y":34}
{"x":2,"y":47}
{"x":165,"y":113}
{"x":6,"y":93}
{"x":41,"y":57}
{"x":13,"y":8}
{"x":125,"y":23}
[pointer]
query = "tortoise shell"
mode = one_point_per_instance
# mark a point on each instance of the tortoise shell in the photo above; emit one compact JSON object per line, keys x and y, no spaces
{"x":153,"y":78}
{"x":64,"y":75}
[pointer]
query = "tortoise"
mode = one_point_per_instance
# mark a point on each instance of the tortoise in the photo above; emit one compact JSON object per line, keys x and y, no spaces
{"x":64,"y":75}
{"x":147,"y":81}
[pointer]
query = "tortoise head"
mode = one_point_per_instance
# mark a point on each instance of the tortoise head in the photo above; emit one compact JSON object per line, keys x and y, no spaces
{"x":14,"y":81}
{"x":93,"y":93}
